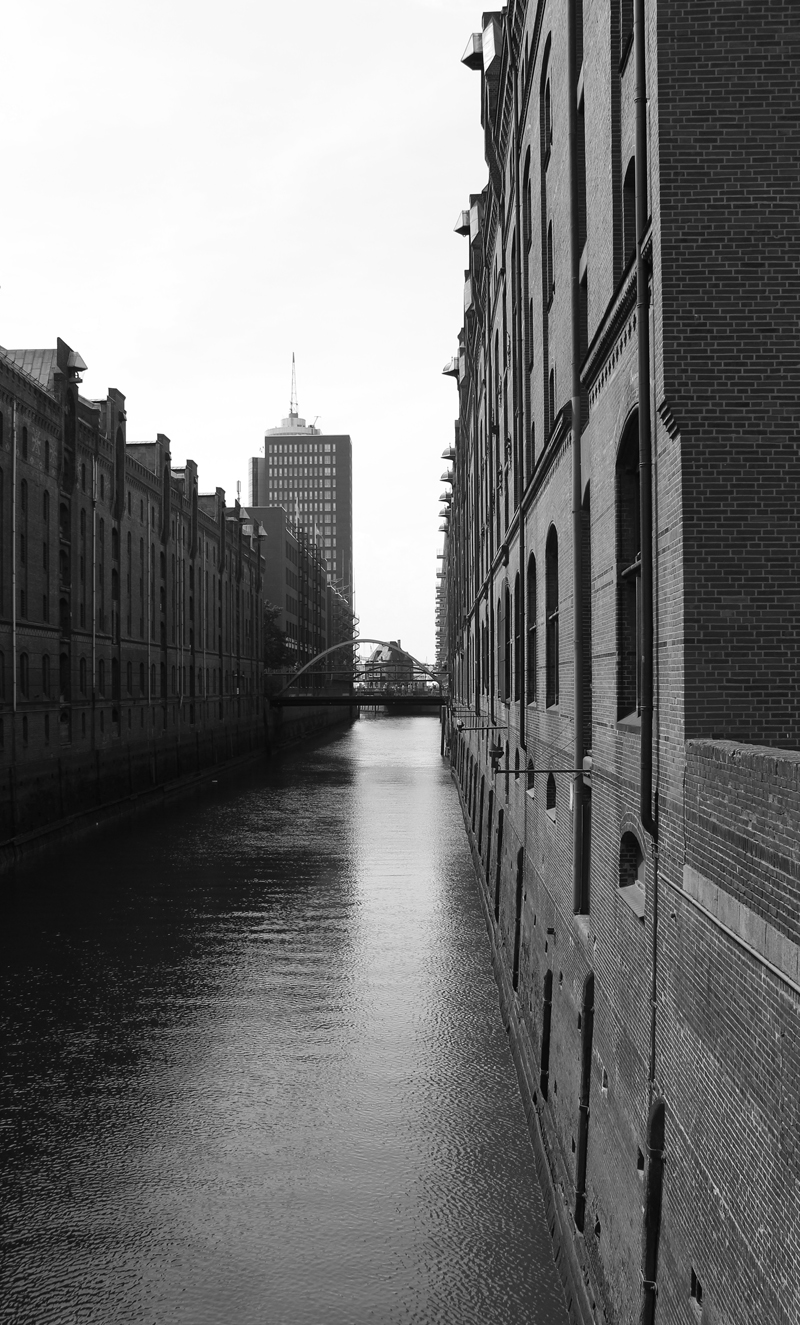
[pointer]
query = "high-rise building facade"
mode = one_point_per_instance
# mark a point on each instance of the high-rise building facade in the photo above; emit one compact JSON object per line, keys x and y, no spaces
{"x":622,"y":560}
{"x":310,"y":474}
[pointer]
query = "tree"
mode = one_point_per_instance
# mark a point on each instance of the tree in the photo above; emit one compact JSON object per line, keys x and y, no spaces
{"x":275,"y":652}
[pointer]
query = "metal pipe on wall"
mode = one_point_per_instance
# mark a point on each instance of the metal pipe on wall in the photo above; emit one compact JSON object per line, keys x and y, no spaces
{"x":577,"y":476}
{"x":14,"y":577}
{"x":520,"y":604}
{"x":645,"y":445}
{"x":94,"y":593}
{"x":654,"y":1184}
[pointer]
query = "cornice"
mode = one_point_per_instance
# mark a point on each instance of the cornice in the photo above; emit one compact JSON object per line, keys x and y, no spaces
{"x":614,"y":319}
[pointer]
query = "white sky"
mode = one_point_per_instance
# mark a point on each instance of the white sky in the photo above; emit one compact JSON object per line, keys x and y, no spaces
{"x":193,"y":190}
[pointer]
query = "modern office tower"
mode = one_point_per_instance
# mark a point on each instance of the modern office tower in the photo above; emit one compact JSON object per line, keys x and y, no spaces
{"x":310,"y":475}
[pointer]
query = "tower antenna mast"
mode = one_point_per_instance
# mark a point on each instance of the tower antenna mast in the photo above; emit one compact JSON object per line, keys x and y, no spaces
{"x":293,"y":401}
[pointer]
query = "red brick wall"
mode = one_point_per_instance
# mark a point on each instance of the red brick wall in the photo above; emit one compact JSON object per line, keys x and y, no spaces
{"x":730,"y":289}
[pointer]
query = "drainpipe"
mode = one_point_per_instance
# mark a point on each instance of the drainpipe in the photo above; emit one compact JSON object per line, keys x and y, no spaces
{"x":149,"y":608}
{"x":645,"y":462}
{"x":94,"y":595}
{"x":519,"y":604}
{"x":655,"y":1130}
{"x":14,"y":577}
{"x":577,"y":477}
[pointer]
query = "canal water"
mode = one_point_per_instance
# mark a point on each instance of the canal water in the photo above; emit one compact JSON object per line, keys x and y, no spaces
{"x":254,"y":1067}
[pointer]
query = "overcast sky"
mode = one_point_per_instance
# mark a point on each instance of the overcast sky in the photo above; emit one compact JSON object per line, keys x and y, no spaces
{"x":192,"y":191}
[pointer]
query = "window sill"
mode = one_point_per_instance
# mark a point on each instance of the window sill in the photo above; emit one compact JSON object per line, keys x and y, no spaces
{"x":633,"y":896}
{"x":631,"y":722}
{"x":551,"y":814}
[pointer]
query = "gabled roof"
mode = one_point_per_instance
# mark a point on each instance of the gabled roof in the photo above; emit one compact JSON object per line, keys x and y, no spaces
{"x":38,"y":364}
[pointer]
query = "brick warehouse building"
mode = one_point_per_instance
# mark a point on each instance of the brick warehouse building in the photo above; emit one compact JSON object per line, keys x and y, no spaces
{"x":622,"y":630}
{"x":131,"y":604}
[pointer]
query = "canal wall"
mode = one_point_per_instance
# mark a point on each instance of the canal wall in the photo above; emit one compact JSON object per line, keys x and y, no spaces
{"x":695,"y":975}
{"x":69,"y":794}
{"x":568,"y":1254}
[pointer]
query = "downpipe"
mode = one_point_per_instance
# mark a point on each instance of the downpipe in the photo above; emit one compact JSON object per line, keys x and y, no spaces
{"x":518,"y":624}
{"x":655,"y":1129}
{"x":577,"y":477}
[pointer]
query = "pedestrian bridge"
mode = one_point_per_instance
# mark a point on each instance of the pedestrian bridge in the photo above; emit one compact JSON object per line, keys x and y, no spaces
{"x":332,"y":679}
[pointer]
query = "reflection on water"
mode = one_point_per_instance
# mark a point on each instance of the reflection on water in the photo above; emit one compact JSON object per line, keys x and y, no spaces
{"x":255,"y":1070}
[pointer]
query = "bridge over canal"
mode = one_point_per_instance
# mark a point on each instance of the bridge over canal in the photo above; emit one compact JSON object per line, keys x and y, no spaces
{"x":399,"y":681}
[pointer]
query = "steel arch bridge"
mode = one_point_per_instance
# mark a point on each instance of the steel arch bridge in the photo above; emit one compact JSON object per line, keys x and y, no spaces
{"x":360,"y":686}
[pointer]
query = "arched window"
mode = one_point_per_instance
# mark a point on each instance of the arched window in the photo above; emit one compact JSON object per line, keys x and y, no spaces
{"x":63,"y":566}
{"x":23,"y":496}
{"x":518,"y":918}
{"x":586,"y":633}
{"x":547,"y":1011}
{"x":625,"y":25}
{"x":115,"y":687}
{"x":551,"y":797}
{"x":163,"y":680}
{"x":551,"y":277}
{"x":504,"y":646}
{"x":632,"y":874}
{"x":629,"y":213}
{"x":584,"y":901}
{"x":22,"y":675}
{"x":152,"y":680}
{"x":498,"y":866}
{"x":82,"y":675}
{"x":518,"y":657}
{"x":142,"y":685}
{"x":548,"y":120}
{"x":527,"y":231}
{"x":629,"y":575}
{"x":587,"y":1036}
{"x":46,"y":507}
{"x":531,"y":622}
{"x":115,"y":544}
{"x":46,"y":676}
{"x":551,"y":613}
{"x":101,"y":676}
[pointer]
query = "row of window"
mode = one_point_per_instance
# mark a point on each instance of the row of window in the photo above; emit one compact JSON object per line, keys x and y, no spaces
{"x":498,"y":510}
{"x":64,"y":723}
{"x":65,"y":529}
{"x":209,"y":680}
{"x":300,"y":448}
{"x":502,"y":638}
{"x":631,"y":861}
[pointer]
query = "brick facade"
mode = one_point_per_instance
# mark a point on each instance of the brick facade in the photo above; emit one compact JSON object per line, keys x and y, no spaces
{"x":647,"y":962}
{"x":131,"y":603}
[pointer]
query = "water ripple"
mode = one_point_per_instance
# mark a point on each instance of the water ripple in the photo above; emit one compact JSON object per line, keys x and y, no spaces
{"x":255,"y":1070}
